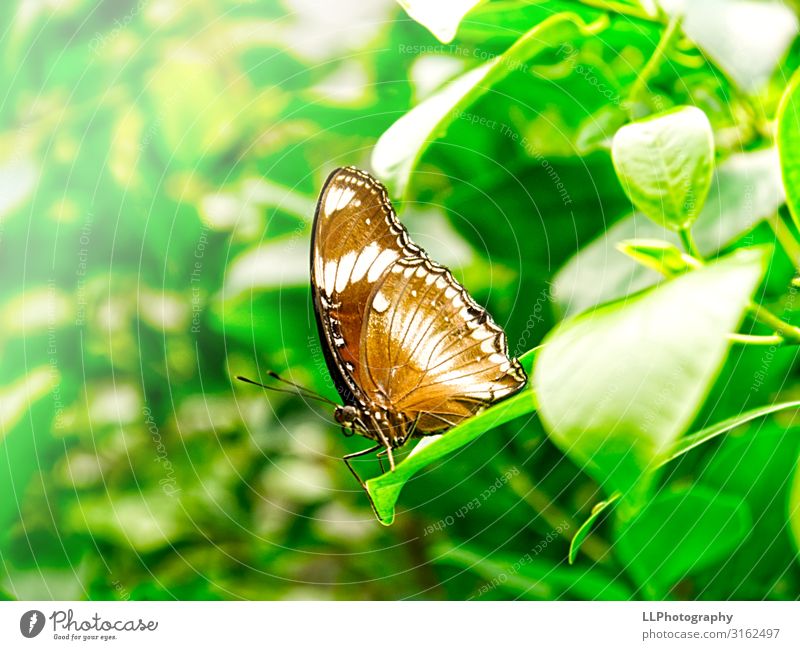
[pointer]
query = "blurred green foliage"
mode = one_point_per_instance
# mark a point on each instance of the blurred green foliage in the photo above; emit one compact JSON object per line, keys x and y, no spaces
{"x":159,"y":164}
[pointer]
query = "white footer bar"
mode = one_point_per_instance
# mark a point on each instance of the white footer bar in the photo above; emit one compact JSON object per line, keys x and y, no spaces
{"x":399,"y":625}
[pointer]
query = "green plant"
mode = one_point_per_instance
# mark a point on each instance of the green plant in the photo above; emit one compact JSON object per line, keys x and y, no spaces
{"x":618,"y":184}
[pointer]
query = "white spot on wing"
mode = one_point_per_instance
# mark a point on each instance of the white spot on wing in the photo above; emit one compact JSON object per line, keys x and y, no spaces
{"x":338,"y":198}
{"x":380,"y":303}
{"x":344,"y":270}
{"x":381,"y":263}
{"x":365,"y":258}
{"x":488,"y":346}
{"x":330,"y":277}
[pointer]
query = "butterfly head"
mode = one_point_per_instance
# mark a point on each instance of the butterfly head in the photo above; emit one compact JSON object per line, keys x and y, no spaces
{"x":376,"y":423}
{"x":348,"y":416}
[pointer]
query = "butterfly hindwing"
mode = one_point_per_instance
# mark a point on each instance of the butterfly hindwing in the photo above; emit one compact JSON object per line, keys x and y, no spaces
{"x":436,"y":354}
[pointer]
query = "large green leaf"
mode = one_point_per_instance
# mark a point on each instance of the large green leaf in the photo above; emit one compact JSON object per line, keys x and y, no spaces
{"x":665,"y":163}
{"x":746,"y":38}
{"x":441,"y":17}
{"x":789,"y":144}
{"x":679,"y":532}
{"x":747,"y":188}
{"x":397,"y":151}
{"x":618,"y":385}
{"x":385,"y":489}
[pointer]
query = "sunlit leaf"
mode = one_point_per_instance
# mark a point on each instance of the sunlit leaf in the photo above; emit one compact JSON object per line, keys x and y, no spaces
{"x":656,"y":254}
{"x":665,"y":163}
{"x":789,"y":144}
{"x":385,"y":489}
{"x":126,"y":147}
{"x":397,"y":151}
{"x":618,"y":385}
{"x":793,"y":507}
{"x":746,"y":38}
{"x":746,"y":189}
{"x":17,"y":398}
{"x":441,"y":18}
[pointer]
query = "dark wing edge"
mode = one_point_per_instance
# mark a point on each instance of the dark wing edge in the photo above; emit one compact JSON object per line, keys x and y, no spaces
{"x":347,"y":390}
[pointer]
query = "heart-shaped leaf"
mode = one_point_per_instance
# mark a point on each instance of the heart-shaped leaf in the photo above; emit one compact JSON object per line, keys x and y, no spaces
{"x":397,"y":151}
{"x":665,"y":163}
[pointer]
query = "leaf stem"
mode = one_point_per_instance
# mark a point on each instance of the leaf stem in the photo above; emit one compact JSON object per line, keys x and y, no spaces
{"x":689,"y":244}
{"x":781,"y":327}
{"x":786,"y":239}
{"x":753,"y":339}
{"x":668,"y":37}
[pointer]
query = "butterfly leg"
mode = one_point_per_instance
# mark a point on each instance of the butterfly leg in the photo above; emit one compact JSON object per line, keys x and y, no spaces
{"x":363,"y":485}
{"x":390,"y":457}
{"x":356,"y":454}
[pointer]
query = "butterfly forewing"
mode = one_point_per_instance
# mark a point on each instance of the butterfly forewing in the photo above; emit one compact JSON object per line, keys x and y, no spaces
{"x":356,"y":238}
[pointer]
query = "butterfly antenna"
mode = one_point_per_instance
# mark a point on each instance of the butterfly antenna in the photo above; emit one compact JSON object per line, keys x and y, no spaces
{"x":298,"y":389}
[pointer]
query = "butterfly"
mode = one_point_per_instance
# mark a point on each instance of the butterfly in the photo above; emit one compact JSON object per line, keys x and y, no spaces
{"x":409,"y":351}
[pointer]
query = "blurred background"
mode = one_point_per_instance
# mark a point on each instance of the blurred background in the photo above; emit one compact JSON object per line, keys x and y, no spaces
{"x":159,"y":165}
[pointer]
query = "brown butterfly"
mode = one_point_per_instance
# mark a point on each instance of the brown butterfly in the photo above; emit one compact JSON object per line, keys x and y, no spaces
{"x":409,"y":351}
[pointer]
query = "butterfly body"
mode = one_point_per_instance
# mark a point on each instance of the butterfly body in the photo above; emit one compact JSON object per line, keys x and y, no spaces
{"x":408,"y":349}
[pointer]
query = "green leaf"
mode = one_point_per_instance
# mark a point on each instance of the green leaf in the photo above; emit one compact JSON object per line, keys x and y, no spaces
{"x":665,"y":163}
{"x":399,"y":149}
{"x":16,"y":399}
{"x":385,"y":489}
{"x":789,"y":144}
{"x":746,"y":38}
{"x":442,"y":17}
{"x":679,"y":532}
{"x":586,"y":527}
{"x":530,"y":577}
{"x":747,"y":188}
{"x":23,"y":439}
{"x":618,"y":385}
{"x":793,"y":507}
{"x":659,"y":255}
{"x":687,"y":443}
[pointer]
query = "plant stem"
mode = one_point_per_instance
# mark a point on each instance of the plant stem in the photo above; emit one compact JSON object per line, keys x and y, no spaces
{"x":687,"y":239}
{"x":781,"y":327}
{"x":652,"y":65}
{"x":752,"y":339}
{"x":786,"y":239}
